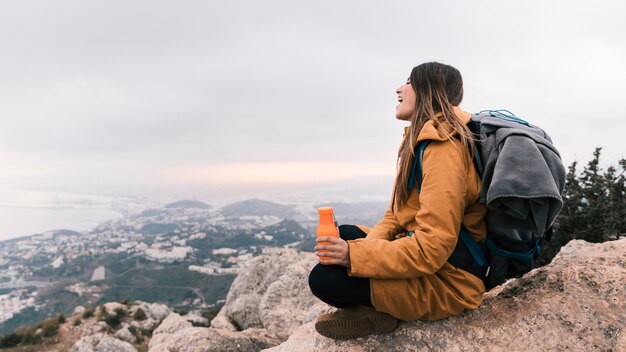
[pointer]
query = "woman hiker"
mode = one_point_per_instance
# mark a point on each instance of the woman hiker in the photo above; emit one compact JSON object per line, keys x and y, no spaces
{"x":399,"y":269}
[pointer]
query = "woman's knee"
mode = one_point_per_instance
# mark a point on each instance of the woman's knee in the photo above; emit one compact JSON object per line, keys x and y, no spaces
{"x":351,"y":232}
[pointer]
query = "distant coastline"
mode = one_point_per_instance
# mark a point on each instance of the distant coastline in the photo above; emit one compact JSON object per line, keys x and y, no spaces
{"x":25,"y":213}
{"x":19,"y":222}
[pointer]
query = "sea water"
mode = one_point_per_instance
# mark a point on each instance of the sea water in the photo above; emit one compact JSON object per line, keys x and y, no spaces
{"x":28,"y":212}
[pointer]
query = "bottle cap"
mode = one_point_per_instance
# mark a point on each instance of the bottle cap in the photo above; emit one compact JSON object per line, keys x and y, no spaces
{"x":325,"y":211}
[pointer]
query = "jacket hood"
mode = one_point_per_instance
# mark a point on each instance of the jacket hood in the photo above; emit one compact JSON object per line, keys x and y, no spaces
{"x":437,"y":131}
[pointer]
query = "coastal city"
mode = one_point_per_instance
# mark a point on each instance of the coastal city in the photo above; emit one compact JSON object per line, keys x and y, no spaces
{"x":48,"y":272}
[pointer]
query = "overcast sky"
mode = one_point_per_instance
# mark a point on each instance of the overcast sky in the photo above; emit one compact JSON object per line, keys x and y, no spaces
{"x":170,"y":93}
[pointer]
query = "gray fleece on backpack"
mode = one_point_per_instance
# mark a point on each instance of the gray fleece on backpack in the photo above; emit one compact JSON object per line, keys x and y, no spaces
{"x":516,"y":157}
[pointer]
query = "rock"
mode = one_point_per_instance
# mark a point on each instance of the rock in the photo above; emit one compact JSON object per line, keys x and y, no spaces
{"x":208,"y":339}
{"x":155,"y":313}
{"x":576,"y":303}
{"x":171,"y":324}
{"x":196,"y":319}
{"x":78,"y":310}
{"x":222,"y":322}
{"x":271,"y":292}
{"x":124,"y":334}
{"x":288,"y":302}
{"x":101,"y":343}
{"x":111,"y":307}
{"x":93,"y":329}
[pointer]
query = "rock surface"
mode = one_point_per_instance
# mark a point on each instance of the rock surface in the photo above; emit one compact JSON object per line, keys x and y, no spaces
{"x":124,"y":334}
{"x":171,"y":324}
{"x":209,"y":339}
{"x":576,"y":303}
{"x":271,"y":293}
{"x":101,"y":343}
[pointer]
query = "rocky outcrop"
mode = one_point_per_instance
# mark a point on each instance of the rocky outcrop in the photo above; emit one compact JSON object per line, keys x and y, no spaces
{"x":267,"y":301}
{"x":576,"y":303}
{"x":171,"y":324}
{"x":210,"y":339}
{"x":271,"y":292}
{"x":154,"y":314}
{"x":95,"y":333}
{"x":101,"y":343}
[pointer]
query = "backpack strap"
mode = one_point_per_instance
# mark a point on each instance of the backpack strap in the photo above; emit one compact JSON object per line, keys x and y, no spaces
{"x":493,"y":248}
{"x":417,"y":166}
{"x":473,"y":247}
{"x":477,"y":252}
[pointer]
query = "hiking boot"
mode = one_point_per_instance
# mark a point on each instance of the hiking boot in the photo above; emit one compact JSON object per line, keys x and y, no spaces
{"x":352,"y":322}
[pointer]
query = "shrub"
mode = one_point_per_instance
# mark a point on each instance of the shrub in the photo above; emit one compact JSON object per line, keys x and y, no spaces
{"x":49,"y":327}
{"x":594,"y":204}
{"x":77,"y":322}
{"x":135,"y":332}
{"x":120,"y":312}
{"x":10,"y":340}
{"x":88,"y":313}
{"x":113,"y":320}
{"x":140,"y":315}
{"x":29,"y":335}
{"x":61,"y":318}
{"x":102,"y":311}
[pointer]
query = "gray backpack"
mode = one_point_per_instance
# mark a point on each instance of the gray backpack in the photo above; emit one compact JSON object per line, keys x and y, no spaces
{"x":522,"y":178}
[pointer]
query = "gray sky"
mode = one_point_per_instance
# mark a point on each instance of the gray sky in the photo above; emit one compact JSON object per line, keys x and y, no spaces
{"x":170,"y":93}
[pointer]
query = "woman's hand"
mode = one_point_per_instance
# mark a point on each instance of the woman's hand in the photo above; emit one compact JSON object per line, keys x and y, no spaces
{"x":337,"y":250}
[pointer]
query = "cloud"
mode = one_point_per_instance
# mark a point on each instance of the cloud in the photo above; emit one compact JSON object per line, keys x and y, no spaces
{"x":274,"y":173}
{"x":134,"y":88}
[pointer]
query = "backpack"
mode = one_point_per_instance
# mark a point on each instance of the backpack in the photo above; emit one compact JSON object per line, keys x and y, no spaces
{"x":522,"y":179}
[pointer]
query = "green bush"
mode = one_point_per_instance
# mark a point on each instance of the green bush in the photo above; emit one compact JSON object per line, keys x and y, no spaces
{"x":136,"y":333}
{"x":140,"y":315}
{"x":594,"y":204}
{"x":29,"y":335}
{"x":113,"y":320}
{"x":88,"y":313}
{"x":121,"y":312}
{"x":10,"y":340}
{"x":32,"y":335}
{"x":102,"y":311}
{"x":49,"y":327}
{"x":77,"y":322}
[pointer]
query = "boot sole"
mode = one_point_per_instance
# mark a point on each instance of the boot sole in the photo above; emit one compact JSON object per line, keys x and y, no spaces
{"x":347,"y":329}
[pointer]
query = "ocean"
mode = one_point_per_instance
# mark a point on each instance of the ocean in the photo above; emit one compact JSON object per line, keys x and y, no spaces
{"x":26,"y":212}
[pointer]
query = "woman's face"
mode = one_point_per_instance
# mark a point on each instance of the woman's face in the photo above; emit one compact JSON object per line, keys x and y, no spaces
{"x":406,"y":98}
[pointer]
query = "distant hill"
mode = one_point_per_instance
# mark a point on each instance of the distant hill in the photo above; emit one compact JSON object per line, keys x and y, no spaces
{"x":188,"y":204}
{"x":65,"y":232}
{"x":258,"y":207}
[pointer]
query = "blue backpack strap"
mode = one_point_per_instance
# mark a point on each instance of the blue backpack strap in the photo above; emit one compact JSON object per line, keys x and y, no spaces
{"x":474,"y":248}
{"x":417,"y":166}
{"x":505,"y":115}
{"x":493,"y":248}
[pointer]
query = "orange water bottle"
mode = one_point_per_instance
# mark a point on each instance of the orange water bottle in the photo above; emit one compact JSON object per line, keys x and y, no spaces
{"x":327,"y":226}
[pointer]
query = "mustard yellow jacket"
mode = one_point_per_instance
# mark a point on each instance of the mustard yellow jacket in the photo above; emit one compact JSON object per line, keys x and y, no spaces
{"x":410,"y":277}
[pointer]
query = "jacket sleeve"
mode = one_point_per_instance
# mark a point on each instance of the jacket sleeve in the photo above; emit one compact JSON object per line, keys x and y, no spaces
{"x":387,"y":228}
{"x":442,"y":203}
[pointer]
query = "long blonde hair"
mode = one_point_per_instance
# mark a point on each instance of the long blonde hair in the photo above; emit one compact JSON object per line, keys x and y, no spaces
{"x":438,"y":89}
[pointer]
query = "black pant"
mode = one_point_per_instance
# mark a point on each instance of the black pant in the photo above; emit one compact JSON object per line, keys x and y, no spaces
{"x":331,"y":283}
